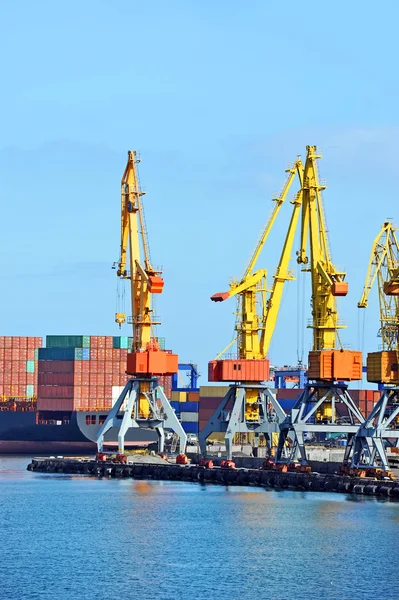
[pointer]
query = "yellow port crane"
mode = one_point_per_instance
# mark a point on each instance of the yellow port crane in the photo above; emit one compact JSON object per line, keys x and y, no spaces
{"x":142,"y":401}
{"x":325,"y":402}
{"x":255,"y":410}
{"x":384,"y":267}
{"x":381,"y":427}
{"x":145,"y":280}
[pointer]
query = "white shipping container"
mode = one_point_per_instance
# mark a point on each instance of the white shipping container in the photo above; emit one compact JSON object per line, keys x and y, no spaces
{"x":116,"y":392}
{"x":189,"y":417}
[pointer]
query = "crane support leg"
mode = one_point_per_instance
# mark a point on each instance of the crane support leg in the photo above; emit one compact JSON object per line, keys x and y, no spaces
{"x":229,"y":417}
{"x":323,"y":407}
{"x":379,"y":431}
{"x":111,"y":420}
{"x":161,"y":415}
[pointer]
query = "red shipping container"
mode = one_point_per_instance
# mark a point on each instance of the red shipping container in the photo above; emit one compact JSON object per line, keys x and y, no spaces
{"x":7,"y":354}
{"x":57,"y":366}
{"x":2,"y":339}
{"x":123,"y":379}
{"x":31,"y":378}
{"x":204,"y":413}
{"x":56,"y":379}
{"x":1,"y":353}
{"x":109,"y":342}
{"x":109,"y":379}
{"x":109,"y":366}
{"x":85,"y":392}
{"x":7,"y":376}
{"x":115,"y":354}
{"x":15,"y":343}
{"x":108,"y":354}
{"x":207,"y":403}
{"x":93,"y":342}
{"x":77,"y":392}
{"x":77,"y":366}
{"x":85,"y":367}
{"x":55,"y":404}
{"x":108,"y":391}
{"x":92,"y":392}
{"x":101,"y":341}
{"x":30,"y":354}
{"x":101,"y":366}
{"x":93,"y":354}
{"x":77,"y":379}
{"x":101,"y":354}
{"x":23,"y":342}
{"x":7,"y":389}
{"x":93,"y":366}
{"x":7,"y":342}
{"x":101,"y":392}
{"x":122,"y":367}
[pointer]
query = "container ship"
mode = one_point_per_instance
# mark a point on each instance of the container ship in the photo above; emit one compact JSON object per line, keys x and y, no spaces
{"x":54,"y":399}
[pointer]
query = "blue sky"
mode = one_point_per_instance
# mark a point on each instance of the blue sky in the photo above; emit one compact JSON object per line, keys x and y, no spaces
{"x":218,"y":97}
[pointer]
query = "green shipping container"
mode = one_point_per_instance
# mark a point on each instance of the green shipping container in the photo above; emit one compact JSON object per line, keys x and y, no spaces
{"x":78,"y":354}
{"x":123,"y":342}
{"x":30,"y":366}
{"x":37,"y":354}
{"x":30,"y":391}
{"x":67,"y":341}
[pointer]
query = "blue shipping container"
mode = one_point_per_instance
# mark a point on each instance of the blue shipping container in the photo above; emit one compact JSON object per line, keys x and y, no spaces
{"x":85,"y":353}
{"x":191,"y":427}
{"x":176,"y":406}
{"x":56,"y":353}
{"x":287,"y":405}
{"x":189,"y":406}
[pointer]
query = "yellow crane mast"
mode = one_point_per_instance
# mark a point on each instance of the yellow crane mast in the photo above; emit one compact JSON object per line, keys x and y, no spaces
{"x":381,"y":427}
{"x":327,"y":361}
{"x":257,"y":315}
{"x":142,"y":401}
{"x":145,"y":280}
{"x":325,"y":405}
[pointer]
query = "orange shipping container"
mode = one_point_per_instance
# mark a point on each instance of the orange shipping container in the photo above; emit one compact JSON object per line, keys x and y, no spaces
{"x":109,"y":367}
{"x":335,"y":365}
{"x":239,"y":370}
{"x":109,"y":342}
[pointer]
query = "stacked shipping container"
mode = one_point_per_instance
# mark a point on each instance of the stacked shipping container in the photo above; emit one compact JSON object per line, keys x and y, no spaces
{"x":186,"y":406}
{"x":18,"y":366}
{"x":89,"y":377}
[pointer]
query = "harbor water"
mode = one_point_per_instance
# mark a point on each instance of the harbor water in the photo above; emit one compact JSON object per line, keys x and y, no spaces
{"x":73,"y":537}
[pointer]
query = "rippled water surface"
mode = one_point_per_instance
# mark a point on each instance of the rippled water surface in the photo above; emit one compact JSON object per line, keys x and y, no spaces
{"x":73,"y":538}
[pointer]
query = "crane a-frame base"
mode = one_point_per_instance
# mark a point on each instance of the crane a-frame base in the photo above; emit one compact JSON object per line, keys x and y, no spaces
{"x":344,"y":417}
{"x":379,"y":431}
{"x":229,"y":417}
{"x":125,"y":414}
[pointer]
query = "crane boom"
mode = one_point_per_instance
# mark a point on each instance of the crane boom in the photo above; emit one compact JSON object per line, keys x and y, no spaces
{"x":255,"y":330}
{"x":384,"y":267}
{"x":279,"y":202}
